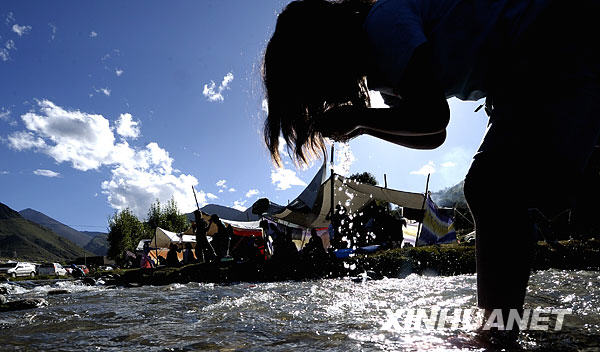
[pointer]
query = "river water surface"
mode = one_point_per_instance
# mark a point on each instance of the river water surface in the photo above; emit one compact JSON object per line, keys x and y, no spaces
{"x":333,"y":314}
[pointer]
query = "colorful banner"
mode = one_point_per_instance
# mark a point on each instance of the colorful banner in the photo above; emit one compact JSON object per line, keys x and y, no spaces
{"x":437,"y":228}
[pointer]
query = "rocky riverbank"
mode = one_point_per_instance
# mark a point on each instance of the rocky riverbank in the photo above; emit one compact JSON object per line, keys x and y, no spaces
{"x":444,"y":260}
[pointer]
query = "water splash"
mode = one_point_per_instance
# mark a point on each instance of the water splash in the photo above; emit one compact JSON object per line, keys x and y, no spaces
{"x":343,"y":159}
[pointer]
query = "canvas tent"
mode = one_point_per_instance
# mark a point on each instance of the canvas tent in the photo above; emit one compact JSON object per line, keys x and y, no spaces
{"x":312,"y":206}
{"x":163,"y":238}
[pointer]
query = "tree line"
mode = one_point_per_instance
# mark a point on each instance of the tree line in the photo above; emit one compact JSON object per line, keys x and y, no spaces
{"x":125,"y":230}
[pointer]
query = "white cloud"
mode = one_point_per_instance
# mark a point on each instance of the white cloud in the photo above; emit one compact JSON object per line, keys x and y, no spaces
{"x":23,"y":140}
{"x":345,"y":158}
{"x":136,"y":188}
{"x":126,"y":127}
{"x":10,"y":45}
{"x":4,"y":114}
{"x":10,"y":18}
{"x":220,"y":191}
{"x":425,"y":170}
{"x":285,"y":178}
{"x":5,"y":51}
{"x":377,"y":100}
{"x":93,"y":34}
{"x":265,"y":106}
{"x":252,"y":193}
{"x":282,"y":147}
{"x":104,"y":91}
{"x":139,"y":175}
{"x":46,"y":173}
{"x":4,"y":172}
{"x":214,"y":93}
{"x":222,"y":183}
{"x":52,"y":30}
{"x":84,"y":140}
{"x":211,"y":196}
{"x":455,"y":167}
{"x":119,"y":72}
{"x":239,"y":205}
{"x":20,"y":30}
{"x":232,"y":189}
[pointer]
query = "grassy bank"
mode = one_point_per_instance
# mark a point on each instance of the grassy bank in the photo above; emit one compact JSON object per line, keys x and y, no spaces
{"x":450,"y":259}
{"x":454,"y":259}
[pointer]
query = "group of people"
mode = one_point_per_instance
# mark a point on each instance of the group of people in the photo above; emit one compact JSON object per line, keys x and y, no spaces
{"x":371,"y":226}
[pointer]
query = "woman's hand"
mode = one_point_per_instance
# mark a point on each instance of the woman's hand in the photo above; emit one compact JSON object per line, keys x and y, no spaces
{"x":339,"y":123}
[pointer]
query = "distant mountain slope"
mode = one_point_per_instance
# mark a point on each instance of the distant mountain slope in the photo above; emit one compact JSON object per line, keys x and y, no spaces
{"x":32,"y":241}
{"x":226,"y":213}
{"x":451,"y":196}
{"x":59,"y":228}
{"x":98,"y":244}
{"x":8,"y":213}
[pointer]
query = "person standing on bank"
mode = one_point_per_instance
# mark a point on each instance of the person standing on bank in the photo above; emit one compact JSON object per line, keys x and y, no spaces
{"x":536,"y":62}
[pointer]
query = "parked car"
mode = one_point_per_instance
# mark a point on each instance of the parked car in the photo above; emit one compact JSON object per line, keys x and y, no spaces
{"x":52,"y":269}
{"x":18,"y":269}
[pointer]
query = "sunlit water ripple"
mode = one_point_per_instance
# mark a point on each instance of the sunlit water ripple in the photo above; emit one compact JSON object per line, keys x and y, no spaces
{"x":312,"y":315}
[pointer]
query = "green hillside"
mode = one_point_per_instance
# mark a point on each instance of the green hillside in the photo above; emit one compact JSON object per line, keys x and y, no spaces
{"x":31,"y":241}
{"x":98,"y":244}
{"x":77,"y":237}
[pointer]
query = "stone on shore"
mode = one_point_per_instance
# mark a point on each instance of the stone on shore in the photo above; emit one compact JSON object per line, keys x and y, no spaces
{"x":23,"y":304}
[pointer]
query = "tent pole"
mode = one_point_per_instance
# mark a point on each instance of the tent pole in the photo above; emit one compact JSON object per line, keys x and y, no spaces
{"x":422,"y":208}
{"x":388,"y":205}
{"x":156,"y":249}
{"x":332,"y":175}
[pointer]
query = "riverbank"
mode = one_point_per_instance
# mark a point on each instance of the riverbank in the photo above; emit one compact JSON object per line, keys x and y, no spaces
{"x":445,"y":260}
{"x":456,"y":259}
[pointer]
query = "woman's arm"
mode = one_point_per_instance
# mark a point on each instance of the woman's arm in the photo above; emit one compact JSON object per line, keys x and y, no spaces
{"x":422,"y":111}
{"x":430,"y":141}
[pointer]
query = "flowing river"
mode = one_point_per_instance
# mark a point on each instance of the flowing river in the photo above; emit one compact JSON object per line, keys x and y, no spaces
{"x":334,"y":314}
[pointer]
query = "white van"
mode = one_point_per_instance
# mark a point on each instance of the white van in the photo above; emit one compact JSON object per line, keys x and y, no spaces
{"x":15,"y":269}
{"x":52,"y":269}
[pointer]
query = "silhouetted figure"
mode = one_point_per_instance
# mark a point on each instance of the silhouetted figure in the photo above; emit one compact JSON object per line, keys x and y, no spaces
{"x":188,"y":254}
{"x":145,"y":261}
{"x":220,"y":239}
{"x":172,"y":259}
{"x":314,"y":248}
{"x":204,"y":250}
{"x":77,"y":271}
{"x":536,"y":63}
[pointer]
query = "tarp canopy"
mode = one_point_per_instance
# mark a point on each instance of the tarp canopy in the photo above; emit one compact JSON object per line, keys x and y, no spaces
{"x":348,"y":193}
{"x":240,"y":228}
{"x":163,"y":238}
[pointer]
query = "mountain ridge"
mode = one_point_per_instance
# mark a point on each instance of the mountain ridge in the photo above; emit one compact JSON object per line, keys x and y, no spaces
{"x":31,"y":241}
{"x":226,"y":213}
{"x":56,"y":226}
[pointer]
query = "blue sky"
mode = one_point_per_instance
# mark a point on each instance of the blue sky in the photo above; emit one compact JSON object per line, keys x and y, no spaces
{"x":106,"y":105}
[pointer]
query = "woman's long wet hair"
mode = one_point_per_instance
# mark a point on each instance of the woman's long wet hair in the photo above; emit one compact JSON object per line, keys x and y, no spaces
{"x":313,"y":62}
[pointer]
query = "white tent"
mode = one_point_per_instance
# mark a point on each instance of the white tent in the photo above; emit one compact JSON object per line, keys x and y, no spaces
{"x":140,"y":245}
{"x":351,"y":194}
{"x":163,"y":238}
